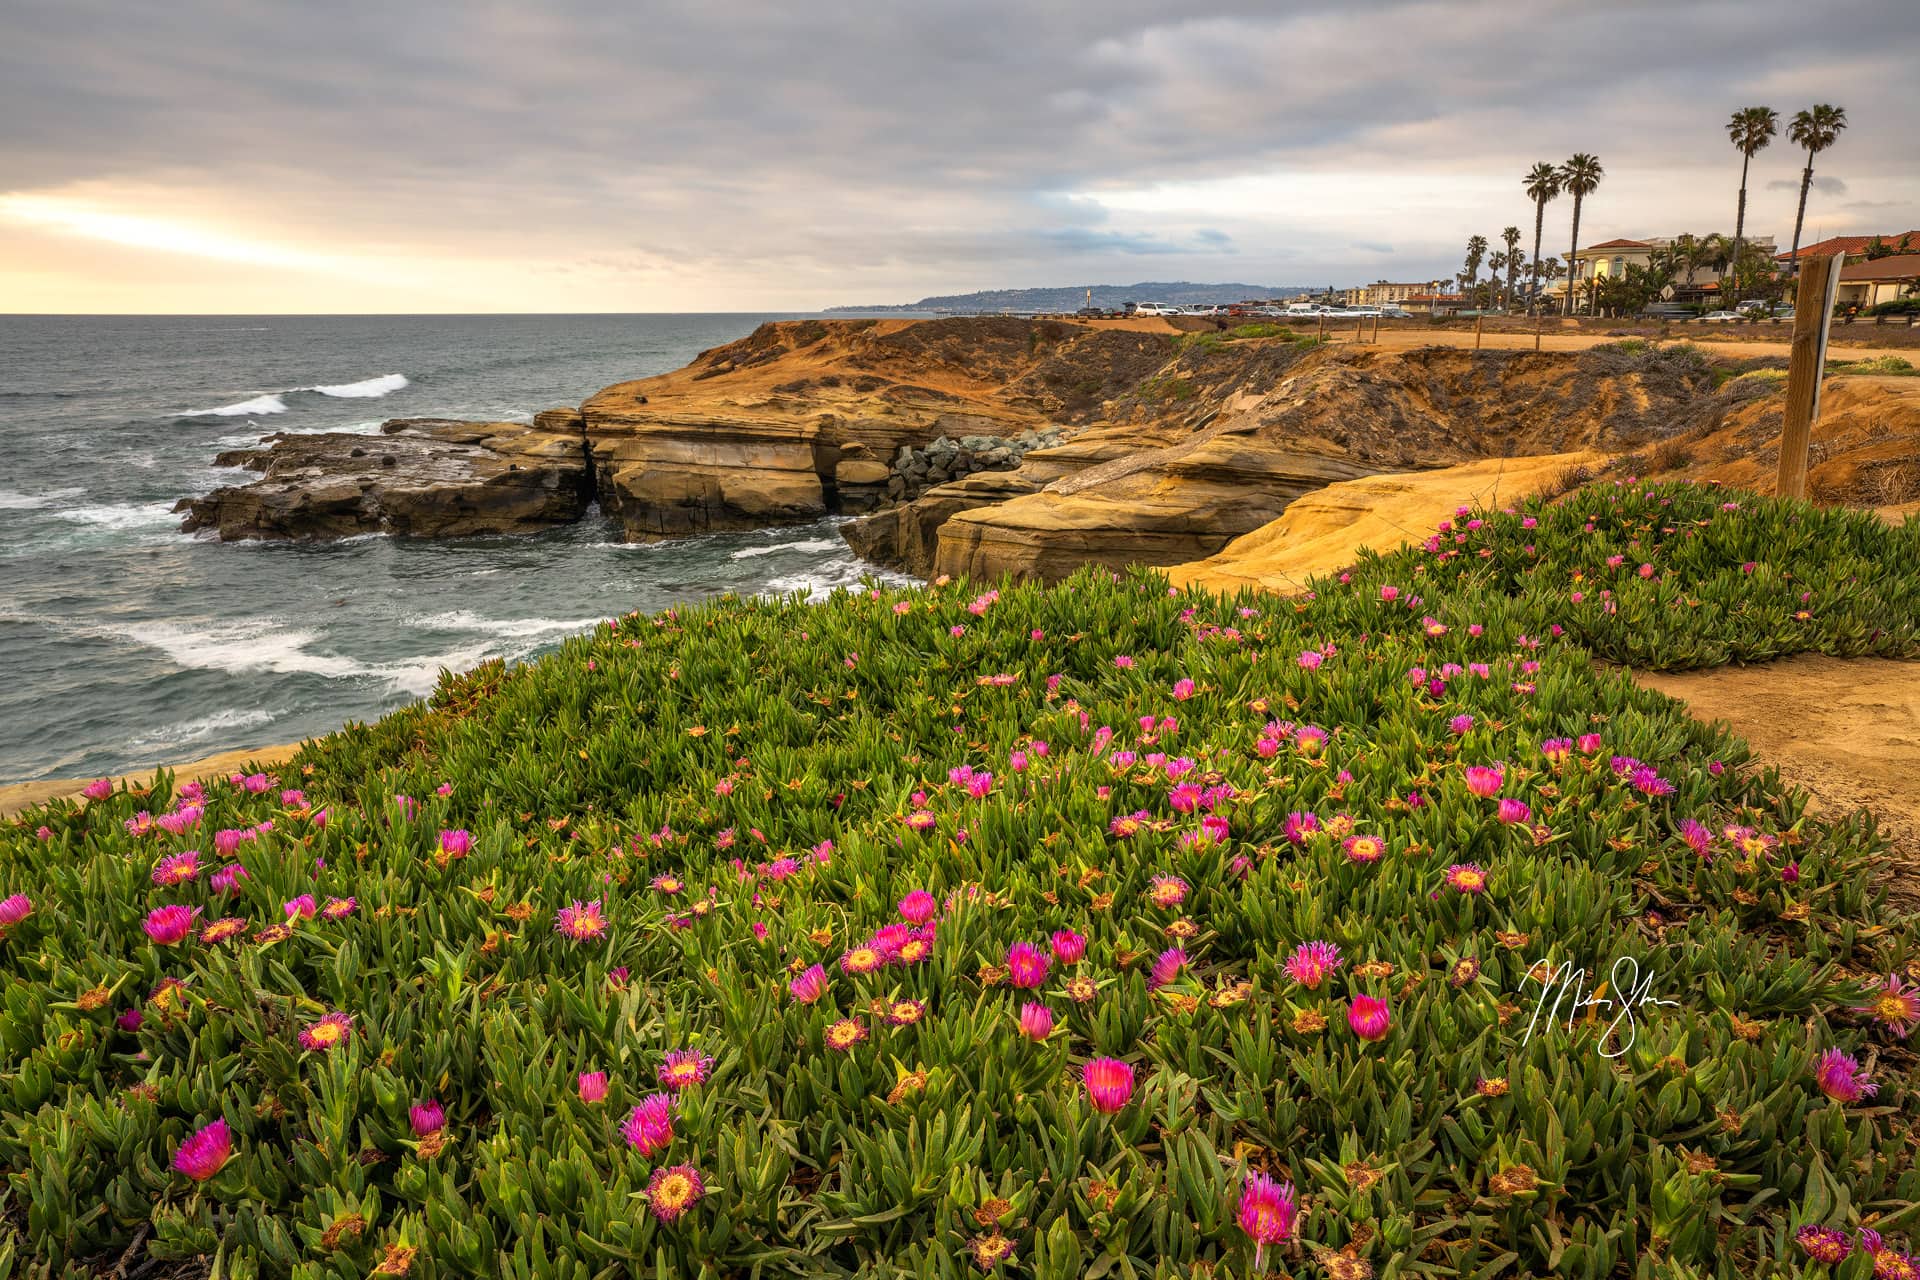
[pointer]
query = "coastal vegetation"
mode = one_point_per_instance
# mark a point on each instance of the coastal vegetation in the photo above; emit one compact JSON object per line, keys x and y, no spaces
{"x":1092,"y":929}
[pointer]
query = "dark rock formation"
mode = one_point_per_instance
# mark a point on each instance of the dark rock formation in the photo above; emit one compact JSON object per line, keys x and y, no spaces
{"x":420,"y":477}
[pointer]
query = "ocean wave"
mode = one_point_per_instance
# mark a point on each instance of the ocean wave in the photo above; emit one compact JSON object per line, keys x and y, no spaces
{"x":511,"y":628}
{"x":810,"y":544}
{"x":268,"y":402}
{"x":240,"y":647}
{"x":11,"y":501}
{"x":122,"y":515}
{"x":219,"y":722}
{"x":844,"y":571}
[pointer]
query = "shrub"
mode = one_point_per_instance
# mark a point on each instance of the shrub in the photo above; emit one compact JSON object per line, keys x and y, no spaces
{"x":1155,"y":813}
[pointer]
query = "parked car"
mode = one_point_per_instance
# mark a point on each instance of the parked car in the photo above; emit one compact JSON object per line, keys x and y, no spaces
{"x":1396,"y":313}
{"x":1722,"y":317}
{"x":1154,"y":309}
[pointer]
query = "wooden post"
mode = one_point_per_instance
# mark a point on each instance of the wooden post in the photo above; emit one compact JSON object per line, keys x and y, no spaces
{"x":1359,"y":330}
{"x":1537,"y":323}
{"x":1322,"y":335}
{"x":1478,"y":321}
{"x":1806,"y":367}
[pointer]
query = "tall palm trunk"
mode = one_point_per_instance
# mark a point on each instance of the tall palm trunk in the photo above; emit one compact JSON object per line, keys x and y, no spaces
{"x":1806,"y":180}
{"x":1739,"y":227}
{"x":1539,"y":224}
{"x":1573,"y":256}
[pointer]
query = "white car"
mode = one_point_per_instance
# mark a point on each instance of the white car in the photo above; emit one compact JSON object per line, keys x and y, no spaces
{"x":1155,"y":309}
{"x":1722,"y":317}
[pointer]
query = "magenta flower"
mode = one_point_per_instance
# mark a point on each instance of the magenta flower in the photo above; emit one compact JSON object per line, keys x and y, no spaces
{"x":918,"y":907}
{"x":649,"y":1127}
{"x":685,"y":1067}
{"x":1824,"y":1244}
{"x":14,"y":909}
{"x":674,"y":1190}
{"x":1512,"y":811}
{"x":1313,"y":963}
{"x":1036,"y":1021}
{"x":170,"y":925}
{"x":1894,"y":1005}
{"x":809,"y":986}
{"x":177,"y":868}
{"x":1697,"y":838}
{"x":328,"y":1032}
{"x":1370,"y":1019}
{"x":1027,"y":965}
{"x":205,"y":1152}
{"x":228,"y":878}
{"x":581,"y":921}
{"x":593,"y":1086}
{"x":456,"y":844}
{"x":1310,"y":659}
{"x":1182,"y":690}
{"x":1269,"y":1213}
{"x":339,"y":908}
{"x":1166,"y":967}
{"x":427,"y":1117}
{"x":1840,"y":1078}
{"x":1484,"y":780}
{"x":1364,"y":848}
{"x":1068,"y":946}
{"x":98,"y":789}
{"x":1167,"y":891}
{"x":1589,"y":743}
{"x":1109,"y":1084}
{"x":1460,"y":725}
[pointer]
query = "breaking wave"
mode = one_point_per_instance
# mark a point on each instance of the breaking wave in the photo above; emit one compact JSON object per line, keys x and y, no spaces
{"x":275,"y":402}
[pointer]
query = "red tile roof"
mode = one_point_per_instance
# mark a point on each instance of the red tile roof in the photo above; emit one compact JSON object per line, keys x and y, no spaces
{"x":1849,"y":245}
{"x":1901,"y":266}
{"x":1616,"y":244}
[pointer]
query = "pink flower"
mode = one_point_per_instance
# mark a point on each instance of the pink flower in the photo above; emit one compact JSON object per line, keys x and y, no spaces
{"x":1840,"y":1078}
{"x":1310,"y":659}
{"x":675,"y":1190}
{"x":649,"y":1126}
{"x":1123,"y":662}
{"x":1313,"y":963}
{"x":1512,"y":810}
{"x":15,"y":909}
{"x":593,"y":1086}
{"x":227,"y":879}
{"x":685,"y":1067}
{"x":1166,"y":967}
{"x":1467,"y":877}
{"x":581,"y":921}
{"x":1036,"y":1021}
{"x":1109,"y":1084}
{"x":1370,"y":1018}
{"x":300,"y":908}
{"x":1269,"y":1213}
{"x":456,"y":844}
{"x":1460,"y":725}
{"x":1182,"y":690}
{"x":1027,"y":965}
{"x":1068,"y":946}
{"x":330,"y":1031}
{"x":1167,"y":891}
{"x":170,"y":925}
{"x":809,"y":986}
{"x":205,"y":1152}
{"x":1893,"y":1004}
{"x":1484,"y":780}
{"x":1389,"y":594}
{"x":1364,"y":848}
{"x":426,"y":1117}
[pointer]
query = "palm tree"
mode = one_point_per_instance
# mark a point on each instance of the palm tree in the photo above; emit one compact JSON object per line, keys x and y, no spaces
{"x":1542,"y":184}
{"x":1750,"y":130}
{"x":1496,"y":267}
{"x":1816,"y":129}
{"x":1578,"y":176}
{"x":1510,"y":237}
{"x":1476,"y":254}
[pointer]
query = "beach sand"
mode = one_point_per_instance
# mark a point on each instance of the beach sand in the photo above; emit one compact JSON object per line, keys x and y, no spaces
{"x":22,"y":795}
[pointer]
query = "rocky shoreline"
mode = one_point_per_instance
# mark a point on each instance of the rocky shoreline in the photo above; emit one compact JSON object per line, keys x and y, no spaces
{"x":973,"y":447}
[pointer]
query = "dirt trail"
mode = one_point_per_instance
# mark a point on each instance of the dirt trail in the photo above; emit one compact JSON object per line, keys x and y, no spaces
{"x":1846,"y":729}
{"x":22,"y":795}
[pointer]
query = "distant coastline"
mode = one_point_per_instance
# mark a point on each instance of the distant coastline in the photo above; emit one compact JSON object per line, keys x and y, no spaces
{"x":1108,"y":297}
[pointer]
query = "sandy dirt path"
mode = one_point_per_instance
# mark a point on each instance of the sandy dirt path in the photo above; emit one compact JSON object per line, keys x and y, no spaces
{"x":1846,"y":729}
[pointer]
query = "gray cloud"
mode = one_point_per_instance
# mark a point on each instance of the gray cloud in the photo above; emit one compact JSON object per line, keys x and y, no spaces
{"x":935,"y":145}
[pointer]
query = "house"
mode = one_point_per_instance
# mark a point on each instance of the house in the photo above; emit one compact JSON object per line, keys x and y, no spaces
{"x":1434,"y":303}
{"x":1613,"y":257}
{"x":1872,"y":281}
{"x":1855,"y":247}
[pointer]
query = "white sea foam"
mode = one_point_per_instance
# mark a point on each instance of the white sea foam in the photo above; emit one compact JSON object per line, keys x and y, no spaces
{"x":273,"y":401}
{"x":365,"y":389}
{"x":809,"y":545}
{"x":241,"y":646}
{"x":257,"y":406}
{"x":121,"y":515}
{"x":11,"y":501}
{"x":205,"y":727}
{"x":511,"y":628}
{"x":843,"y":571}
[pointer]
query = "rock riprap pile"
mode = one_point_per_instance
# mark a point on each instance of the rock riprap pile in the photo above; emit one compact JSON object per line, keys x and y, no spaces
{"x":915,"y":471}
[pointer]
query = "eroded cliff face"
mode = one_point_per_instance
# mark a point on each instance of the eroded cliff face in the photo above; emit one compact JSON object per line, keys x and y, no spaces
{"x":801,"y":418}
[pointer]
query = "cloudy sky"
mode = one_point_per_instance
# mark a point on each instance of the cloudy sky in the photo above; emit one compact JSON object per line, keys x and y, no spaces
{"x":640,"y":155}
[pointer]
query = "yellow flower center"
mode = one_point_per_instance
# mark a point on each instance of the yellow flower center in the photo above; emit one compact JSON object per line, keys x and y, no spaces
{"x":675,"y":1192}
{"x":324,"y":1033}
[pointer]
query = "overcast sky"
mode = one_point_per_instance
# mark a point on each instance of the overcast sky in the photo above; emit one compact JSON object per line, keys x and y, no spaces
{"x":413,"y":155}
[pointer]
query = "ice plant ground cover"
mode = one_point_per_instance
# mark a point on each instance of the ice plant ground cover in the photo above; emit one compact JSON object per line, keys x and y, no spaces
{"x":1074,"y":931}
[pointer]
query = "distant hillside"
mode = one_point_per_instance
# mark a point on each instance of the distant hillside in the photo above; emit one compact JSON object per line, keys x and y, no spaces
{"x":1107,"y":296}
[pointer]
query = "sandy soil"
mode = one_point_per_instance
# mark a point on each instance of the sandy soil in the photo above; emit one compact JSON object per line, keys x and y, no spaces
{"x":21,"y":795}
{"x":1846,"y":729}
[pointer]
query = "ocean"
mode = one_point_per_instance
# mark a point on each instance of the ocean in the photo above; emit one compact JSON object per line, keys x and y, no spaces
{"x":126,"y":643}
